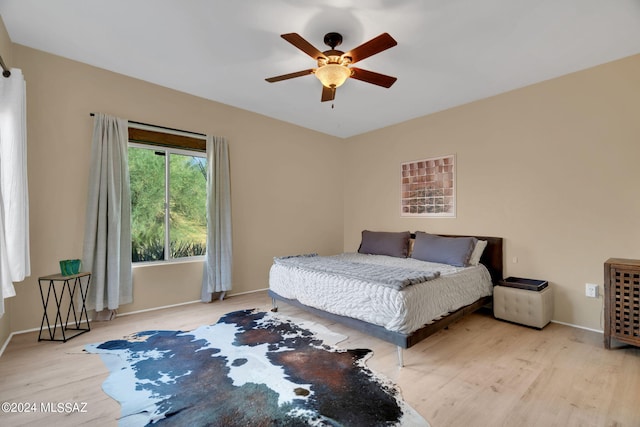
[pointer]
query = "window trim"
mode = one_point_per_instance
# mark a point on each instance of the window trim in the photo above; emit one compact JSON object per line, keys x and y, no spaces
{"x":166,"y":137}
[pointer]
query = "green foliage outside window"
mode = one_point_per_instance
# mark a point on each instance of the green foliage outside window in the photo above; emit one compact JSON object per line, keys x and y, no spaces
{"x":187,"y":204}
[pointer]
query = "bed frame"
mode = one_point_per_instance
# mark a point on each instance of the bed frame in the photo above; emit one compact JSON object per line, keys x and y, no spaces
{"x":492,"y":258}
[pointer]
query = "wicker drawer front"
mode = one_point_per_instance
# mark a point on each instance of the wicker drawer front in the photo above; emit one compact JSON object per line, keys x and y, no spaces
{"x":626,"y":304}
{"x":622,"y":301}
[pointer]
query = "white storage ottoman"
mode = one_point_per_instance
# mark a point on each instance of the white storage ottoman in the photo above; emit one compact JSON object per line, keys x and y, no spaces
{"x":531,"y":308}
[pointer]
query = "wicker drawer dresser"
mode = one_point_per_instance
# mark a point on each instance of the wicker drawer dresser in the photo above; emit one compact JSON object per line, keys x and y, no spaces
{"x":622,"y":301}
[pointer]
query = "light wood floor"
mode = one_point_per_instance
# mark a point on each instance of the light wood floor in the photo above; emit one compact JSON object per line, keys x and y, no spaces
{"x":479,"y":372}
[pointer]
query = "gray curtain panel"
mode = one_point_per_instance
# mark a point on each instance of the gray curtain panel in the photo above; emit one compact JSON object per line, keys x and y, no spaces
{"x":218,"y":259}
{"x":107,"y":242}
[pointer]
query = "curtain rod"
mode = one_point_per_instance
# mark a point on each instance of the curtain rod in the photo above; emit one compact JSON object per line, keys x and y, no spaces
{"x":5,"y":70}
{"x":162,"y":127}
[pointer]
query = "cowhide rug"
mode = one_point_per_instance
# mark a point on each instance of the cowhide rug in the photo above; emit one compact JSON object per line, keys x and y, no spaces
{"x":250,"y":369}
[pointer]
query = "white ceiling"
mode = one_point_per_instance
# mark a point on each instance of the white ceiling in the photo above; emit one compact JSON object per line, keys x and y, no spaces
{"x":449,"y":52}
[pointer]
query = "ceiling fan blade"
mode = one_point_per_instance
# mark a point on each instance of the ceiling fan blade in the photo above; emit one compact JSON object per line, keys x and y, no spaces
{"x":376,"y":45}
{"x":372,"y":77}
{"x":328,"y":94}
{"x":297,"y":40}
{"x":290,"y":75}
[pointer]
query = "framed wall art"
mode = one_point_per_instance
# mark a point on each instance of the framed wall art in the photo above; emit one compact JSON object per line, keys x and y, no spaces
{"x":428,"y":187}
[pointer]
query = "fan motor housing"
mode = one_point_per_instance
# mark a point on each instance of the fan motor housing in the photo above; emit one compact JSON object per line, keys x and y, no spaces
{"x":333,"y":39}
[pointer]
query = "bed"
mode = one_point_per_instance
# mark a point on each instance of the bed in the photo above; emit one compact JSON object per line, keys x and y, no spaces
{"x":400,"y":287}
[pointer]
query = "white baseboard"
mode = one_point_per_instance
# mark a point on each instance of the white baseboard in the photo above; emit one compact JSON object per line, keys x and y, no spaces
{"x":577,"y":326}
{"x":6,"y":343}
{"x":155,"y":308}
{"x":184,"y":303}
{"x":26,"y":331}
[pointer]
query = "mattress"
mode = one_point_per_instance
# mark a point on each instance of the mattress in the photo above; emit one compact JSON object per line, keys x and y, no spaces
{"x":402,"y":311}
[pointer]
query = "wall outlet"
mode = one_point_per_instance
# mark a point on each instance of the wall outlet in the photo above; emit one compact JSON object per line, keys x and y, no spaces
{"x":591,"y":290}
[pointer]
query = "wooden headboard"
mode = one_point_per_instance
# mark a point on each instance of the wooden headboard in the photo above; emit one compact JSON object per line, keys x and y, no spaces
{"x":492,"y":257}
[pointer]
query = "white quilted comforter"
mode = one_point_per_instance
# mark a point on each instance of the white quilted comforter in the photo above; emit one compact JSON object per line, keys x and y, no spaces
{"x":401,"y":311}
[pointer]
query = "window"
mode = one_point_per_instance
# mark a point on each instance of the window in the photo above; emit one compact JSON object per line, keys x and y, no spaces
{"x":168,"y":202}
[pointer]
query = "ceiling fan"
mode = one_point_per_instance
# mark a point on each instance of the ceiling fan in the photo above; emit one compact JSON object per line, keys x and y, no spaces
{"x":333,"y":65}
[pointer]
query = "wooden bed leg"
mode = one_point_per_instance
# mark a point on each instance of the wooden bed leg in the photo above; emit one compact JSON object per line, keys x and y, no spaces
{"x":274,"y":305}
{"x":400,"y":359}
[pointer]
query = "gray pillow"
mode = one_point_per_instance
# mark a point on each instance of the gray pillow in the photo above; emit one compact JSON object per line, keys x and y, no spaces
{"x":389,"y":243}
{"x":444,"y":250}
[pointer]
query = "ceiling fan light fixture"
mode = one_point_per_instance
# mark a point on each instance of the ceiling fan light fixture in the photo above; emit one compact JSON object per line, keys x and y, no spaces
{"x":333,"y":75}
{"x":333,"y":65}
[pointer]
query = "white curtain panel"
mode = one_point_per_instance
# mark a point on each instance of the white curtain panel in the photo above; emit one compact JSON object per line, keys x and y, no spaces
{"x":107,"y":242}
{"x":218,"y":259}
{"x":15,"y":263}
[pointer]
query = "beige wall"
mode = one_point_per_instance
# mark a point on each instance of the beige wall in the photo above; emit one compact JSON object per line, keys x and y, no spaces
{"x":286,"y":194}
{"x":552,"y":168}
